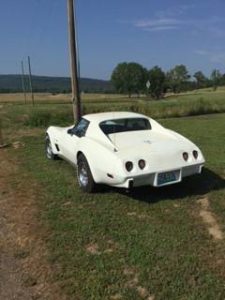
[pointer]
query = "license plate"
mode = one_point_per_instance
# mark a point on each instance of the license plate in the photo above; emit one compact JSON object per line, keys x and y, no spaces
{"x":166,"y":177}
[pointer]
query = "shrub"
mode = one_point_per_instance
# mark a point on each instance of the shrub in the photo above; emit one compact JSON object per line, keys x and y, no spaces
{"x":38,"y":118}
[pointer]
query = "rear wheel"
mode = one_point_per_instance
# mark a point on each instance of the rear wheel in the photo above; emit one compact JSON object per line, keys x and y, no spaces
{"x":84,"y":175}
{"x":48,"y":149}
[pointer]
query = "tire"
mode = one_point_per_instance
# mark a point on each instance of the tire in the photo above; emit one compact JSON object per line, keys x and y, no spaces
{"x":48,"y":149}
{"x":84,"y":176}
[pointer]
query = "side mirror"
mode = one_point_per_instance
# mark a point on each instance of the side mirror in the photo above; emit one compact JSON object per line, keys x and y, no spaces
{"x":70,"y":131}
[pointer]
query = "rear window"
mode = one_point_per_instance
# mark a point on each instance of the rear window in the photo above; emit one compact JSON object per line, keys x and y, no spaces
{"x":122,"y":125}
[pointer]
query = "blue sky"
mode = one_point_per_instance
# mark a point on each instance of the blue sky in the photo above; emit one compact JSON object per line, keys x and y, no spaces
{"x":150,"y":32}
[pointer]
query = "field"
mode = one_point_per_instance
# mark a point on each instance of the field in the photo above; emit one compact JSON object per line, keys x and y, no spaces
{"x":148,"y":243}
{"x":44,"y":112}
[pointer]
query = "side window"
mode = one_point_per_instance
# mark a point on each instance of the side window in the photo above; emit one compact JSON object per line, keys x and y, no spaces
{"x":81,"y":128}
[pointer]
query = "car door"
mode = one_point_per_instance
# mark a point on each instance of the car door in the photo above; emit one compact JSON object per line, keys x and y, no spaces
{"x":71,"y":139}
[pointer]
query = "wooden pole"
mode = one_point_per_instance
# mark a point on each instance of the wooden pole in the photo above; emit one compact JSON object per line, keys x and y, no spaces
{"x":30,"y":81}
{"x":23,"y":83}
{"x":76,"y":101}
{"x":2,"y":145}
{"x":1,"y":137}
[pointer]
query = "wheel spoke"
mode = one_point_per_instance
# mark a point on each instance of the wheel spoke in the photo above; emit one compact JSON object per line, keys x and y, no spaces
{"x":49,"y":149}
{"x":83,"y":176}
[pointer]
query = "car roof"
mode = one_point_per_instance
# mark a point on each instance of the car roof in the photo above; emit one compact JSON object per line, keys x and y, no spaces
{"x":100,"y":117}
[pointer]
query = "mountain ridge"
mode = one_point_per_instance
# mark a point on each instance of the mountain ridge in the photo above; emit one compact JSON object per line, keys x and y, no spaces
{"x":53,"y":84}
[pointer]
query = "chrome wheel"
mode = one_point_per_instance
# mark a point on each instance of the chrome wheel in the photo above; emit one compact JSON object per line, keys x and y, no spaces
{"x":83,"y":176}
{"x":49,"y":150}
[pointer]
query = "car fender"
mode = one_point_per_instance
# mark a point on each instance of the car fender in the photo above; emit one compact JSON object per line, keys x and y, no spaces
{"x":102,"y":160}
{"x":56,"y":137}
{"x":51,"y":132}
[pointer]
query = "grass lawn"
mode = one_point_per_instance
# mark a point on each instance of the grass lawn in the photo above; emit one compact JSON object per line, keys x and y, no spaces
{"x":146,"y":244}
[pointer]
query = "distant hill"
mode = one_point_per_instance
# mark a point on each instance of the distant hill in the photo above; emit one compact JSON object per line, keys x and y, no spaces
{"x":12,"y":83}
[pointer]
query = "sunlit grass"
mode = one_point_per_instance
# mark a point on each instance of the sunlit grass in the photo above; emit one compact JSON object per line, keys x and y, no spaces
{"x":115,"y":243}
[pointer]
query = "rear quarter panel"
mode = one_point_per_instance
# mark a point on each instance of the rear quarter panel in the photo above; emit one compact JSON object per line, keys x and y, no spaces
{"x":102,"y":160}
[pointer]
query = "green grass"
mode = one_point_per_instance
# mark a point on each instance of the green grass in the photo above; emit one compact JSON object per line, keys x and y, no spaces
{"x":157,"y":234}
{"x":45,"y":113}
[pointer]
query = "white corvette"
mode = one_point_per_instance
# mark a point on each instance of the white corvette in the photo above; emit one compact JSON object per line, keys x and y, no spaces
{"x":124,"y":149}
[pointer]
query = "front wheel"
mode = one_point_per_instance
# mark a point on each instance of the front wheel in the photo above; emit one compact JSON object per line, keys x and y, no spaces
{"x":84,"y":176}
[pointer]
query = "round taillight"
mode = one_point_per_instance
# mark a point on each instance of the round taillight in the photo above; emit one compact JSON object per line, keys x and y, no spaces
{"x":141,"y":164}
{"x":195,"y":154}
{"x":129,"y":166}
{"x":185,"y":156}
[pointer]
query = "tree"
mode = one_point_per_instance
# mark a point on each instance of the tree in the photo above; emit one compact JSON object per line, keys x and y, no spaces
{"x":201,"y":79}
{"x":215,"y":77}
{"x":222,"y":80}
{"x":177,"y":77}
{"x":157,"y":79}
{"x":129,"y":78}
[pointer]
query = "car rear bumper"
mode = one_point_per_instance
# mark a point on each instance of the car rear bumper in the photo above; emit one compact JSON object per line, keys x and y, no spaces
{"x":154,"y":179}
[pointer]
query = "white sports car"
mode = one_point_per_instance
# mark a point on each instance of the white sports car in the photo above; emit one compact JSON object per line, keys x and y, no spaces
{"x":124,"y":149}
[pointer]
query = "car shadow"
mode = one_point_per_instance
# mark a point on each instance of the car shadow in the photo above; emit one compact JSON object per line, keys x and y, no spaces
{"x":197,"y":185}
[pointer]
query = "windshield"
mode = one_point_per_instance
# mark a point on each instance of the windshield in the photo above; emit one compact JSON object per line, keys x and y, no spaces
{"x":122,"y":125}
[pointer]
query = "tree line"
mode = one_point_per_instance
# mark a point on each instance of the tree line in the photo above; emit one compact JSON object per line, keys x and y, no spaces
{"x":133,"y":78}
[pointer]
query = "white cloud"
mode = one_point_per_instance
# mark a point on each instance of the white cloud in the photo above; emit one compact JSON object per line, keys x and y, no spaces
{"x":212,"y":56}
{"x":218,"y":58}
{"x":175,"y":11}
{"x":168,"y":19}
{"x":159,"y":24}
{"x":213,"y":26}
{"x":217,"y":32}
{"x":201,"y":52}
{"x":179,"y":18}
{"x":160,"y":28}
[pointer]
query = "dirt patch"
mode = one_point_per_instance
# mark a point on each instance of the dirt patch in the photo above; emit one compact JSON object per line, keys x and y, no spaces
{"x":209,"y":219}
{"x":116,"y":297}
{"x":93,"y":249}
{"x":138,"y":216}
{"x":14,"y":135}
{"x":17,"y":145}
{"x":133,"y":283}
{"x":111,"y":247}
{"x":129,"y":272}
{"x":24,"y":270}
{"x":143,"y":293}
{"x":132,"y":213}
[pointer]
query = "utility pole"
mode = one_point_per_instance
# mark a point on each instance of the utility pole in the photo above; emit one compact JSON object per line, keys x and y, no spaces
{"x":76,"y":101}
{"x":1,"y":137}
{"x":23,"y":83}
{"x":30,"y":81}
{"x":2,"y":145}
